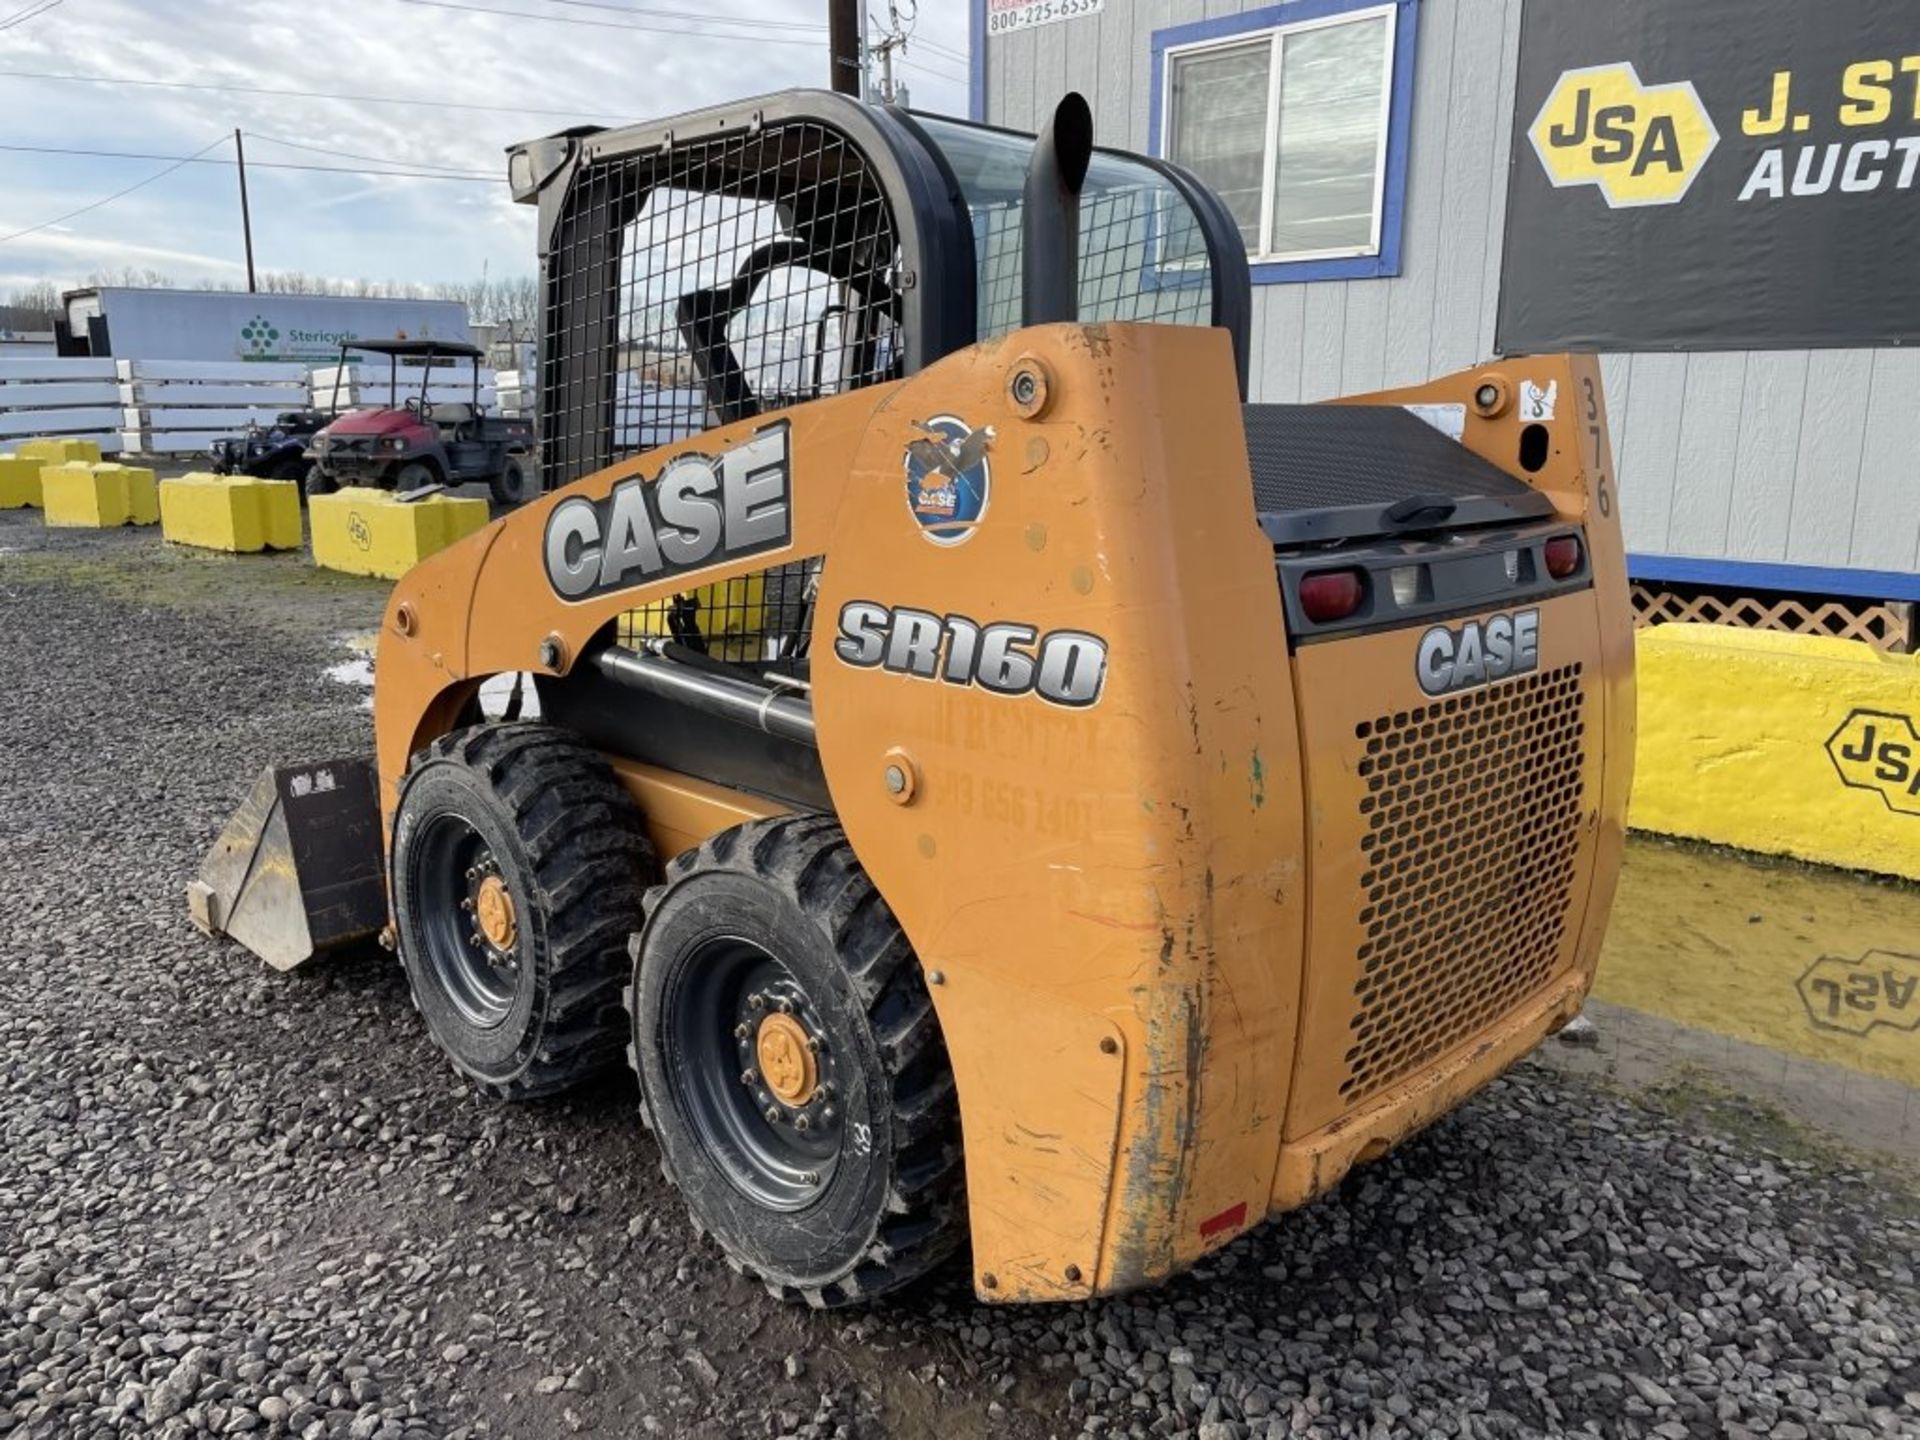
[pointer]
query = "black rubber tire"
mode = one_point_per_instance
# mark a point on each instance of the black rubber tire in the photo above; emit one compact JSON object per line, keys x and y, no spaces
{"x":792,"y":888}
{"x":414,"y":474}
{"x":318,"y":482}
{"x":568,"y":843}
{"x":510,"y":486}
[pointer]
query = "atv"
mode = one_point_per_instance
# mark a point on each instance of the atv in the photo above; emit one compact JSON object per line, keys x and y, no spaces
{"x":422,"y":442}
{"x":274,"y":452}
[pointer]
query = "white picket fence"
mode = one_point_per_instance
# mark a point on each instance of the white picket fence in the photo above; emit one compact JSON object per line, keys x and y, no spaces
{"x":46,"y":396}
{"x":143,"y":407}
{"x":180,"y":407}
{"x":375,"y":383}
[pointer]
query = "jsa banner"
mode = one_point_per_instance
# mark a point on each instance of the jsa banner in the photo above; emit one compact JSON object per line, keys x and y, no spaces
{"x":1714,"y":175}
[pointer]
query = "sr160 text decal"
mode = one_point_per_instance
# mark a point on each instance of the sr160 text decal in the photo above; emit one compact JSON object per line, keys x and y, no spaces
{"x":1065,"y":667}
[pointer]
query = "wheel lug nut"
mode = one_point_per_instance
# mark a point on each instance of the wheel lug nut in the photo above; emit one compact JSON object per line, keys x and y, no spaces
{"x":467,"y":904}
{"x":742,"y":1030}
{"x":773,"y":1114}
{"x":756,"y":1001}
{"x":473,"y":872}
{"x":783,"y":1005}
{"x":813,"y":1043}
{"x":802,"y":1124}
{"x":749,"y":1077}
{"x":809,"y":1177}
{"x":826,"y":1115}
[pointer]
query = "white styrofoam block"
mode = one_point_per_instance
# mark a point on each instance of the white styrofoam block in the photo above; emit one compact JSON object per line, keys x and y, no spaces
{"x":32,"y":424}
{"x":236,"y":371}
{"x":178,"y":417}
{"x":173,"y":442}
{"x":362,"y":397}
{"x":443,"y":373}
{"x":289,"y":395}
{"x":41,"y":394}
{"x":55,"y":367}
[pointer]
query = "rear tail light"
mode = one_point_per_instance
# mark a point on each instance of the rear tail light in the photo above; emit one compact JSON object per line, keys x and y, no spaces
{"x":1563,"y":556}
{"x":1329,"y":595}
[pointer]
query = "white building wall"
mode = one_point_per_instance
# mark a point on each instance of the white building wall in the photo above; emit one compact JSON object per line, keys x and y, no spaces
{"x":1783,"y":457}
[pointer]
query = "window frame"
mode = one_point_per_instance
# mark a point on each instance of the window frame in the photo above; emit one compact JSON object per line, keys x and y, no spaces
{"x":1381,"y":258}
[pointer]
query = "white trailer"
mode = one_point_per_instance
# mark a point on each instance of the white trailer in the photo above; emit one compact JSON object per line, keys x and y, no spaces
{"x":230,"y":326}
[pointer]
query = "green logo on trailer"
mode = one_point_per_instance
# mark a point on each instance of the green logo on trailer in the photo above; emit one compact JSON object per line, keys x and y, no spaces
{"x":258,"y":338}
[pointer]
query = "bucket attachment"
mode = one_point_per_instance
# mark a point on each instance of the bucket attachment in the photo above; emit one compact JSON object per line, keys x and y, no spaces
{"x":299,"y":867}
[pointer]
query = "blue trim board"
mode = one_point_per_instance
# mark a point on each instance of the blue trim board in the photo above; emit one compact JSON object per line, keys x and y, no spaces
{"x":1771,"y":575}
{"x":977,"y":62}
{"x":1399,"y":124}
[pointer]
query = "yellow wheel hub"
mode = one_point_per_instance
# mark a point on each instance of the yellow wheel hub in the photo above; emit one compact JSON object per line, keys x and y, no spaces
{"x":786,"y":1059}
{"x":493,"y":908}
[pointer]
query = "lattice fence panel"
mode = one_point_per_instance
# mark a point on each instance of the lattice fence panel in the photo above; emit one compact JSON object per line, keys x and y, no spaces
{"x":1885,"y":625}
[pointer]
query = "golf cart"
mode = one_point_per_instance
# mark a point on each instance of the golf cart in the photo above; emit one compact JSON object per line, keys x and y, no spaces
{"x":422,"y":442}
{"x":270,"y":452}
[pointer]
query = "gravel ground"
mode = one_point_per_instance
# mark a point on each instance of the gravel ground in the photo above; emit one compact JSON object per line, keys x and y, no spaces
{"x":239,"y":1203}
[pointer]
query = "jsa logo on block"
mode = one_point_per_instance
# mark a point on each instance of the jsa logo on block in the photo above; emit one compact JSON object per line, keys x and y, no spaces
{"x":1639,"y":144}
{"x":1879,"y":751}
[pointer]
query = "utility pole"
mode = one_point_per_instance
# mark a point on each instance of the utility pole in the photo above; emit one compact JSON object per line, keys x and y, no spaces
{"x":894,"y":39}
{"x":845,"y":63}
{"x":246,"y":215}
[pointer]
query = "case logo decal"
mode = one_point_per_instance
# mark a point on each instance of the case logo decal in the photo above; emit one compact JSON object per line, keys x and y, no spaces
{"x":1063,"y":667}
{"x":948,"y":478}
{"x":1476,"y":653}
{"x":698,"y":511}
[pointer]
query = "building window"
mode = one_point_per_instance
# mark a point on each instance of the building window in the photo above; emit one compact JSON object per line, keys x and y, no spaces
{"x":1295,"y":116}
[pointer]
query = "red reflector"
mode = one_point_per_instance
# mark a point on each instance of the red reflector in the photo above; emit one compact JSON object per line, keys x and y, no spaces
{"x":1232,"y":1218}
{"x":1331,"y":595}
{"x":1563,"y":556}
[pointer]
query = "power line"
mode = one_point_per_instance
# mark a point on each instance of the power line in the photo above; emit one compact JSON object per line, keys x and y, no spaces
{"x":694,"y":15}
{"x":376,"y":159}
{"x":20,"y":17}
{"x":616,"y":25}
{"x":927,"y":68}
{"x":926,"y":44}
{"x":301,"y":94}
{"x":471,"y":176}
{"x":109,"y":199}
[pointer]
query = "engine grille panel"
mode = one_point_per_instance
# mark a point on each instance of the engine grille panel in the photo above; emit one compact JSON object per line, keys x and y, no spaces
{"x":1472,"y":812}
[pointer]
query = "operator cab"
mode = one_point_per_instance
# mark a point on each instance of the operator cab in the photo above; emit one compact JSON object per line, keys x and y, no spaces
{"x":736,"y":261}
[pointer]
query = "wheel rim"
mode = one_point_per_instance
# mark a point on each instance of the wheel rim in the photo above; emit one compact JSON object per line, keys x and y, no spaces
{"x":754,"y":1074}
{"x":469,"y":921}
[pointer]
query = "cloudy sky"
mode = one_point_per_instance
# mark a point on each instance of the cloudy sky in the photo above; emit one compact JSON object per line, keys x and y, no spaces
{"x":528,"y":66}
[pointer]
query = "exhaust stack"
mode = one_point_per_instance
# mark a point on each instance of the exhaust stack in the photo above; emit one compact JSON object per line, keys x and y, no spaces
{"x":1050,"y":216}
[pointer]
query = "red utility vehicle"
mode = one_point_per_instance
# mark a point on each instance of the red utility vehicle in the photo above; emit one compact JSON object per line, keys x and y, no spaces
{"x":422,"y":441}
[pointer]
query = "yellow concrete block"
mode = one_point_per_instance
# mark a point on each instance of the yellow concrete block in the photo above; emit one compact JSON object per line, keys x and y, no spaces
{"x":730,"y":616}
{"x":143,"y":491}
{"x":230,"y":512}
{"x":58,"y":452}
{"x":1783,"y":744}
{"x":87,"y":493}
{"x":19,"y":481}
{"x":368,"y":532}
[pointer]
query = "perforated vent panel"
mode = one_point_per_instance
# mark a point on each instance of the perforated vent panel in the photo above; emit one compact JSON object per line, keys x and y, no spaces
{"x":1472,"y":813}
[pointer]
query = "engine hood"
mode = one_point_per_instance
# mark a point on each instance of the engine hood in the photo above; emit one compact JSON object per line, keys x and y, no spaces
{"x":376,"y":422}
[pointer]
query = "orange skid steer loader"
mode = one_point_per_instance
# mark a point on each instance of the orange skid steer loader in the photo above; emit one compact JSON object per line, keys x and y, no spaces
{"x":996,"y":787}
